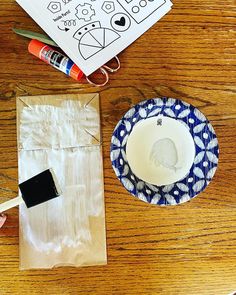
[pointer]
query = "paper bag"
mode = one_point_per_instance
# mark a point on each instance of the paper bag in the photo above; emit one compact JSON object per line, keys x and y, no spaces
{"x":62,"y":132}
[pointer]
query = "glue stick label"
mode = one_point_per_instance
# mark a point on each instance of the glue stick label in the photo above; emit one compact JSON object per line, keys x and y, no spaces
{"x":56,"y":59}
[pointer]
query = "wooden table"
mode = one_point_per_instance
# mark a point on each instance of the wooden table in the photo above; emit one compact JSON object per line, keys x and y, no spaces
{"x":185,"y":250}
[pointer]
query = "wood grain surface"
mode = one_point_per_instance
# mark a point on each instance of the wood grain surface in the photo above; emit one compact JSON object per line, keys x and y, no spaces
{"x":186,"y":250}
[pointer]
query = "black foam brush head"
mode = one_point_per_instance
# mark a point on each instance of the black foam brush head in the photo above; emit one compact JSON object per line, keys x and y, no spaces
{"x":40,"y":188}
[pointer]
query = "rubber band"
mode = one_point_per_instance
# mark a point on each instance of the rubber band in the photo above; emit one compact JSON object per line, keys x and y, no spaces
{"x":113,"y":70}
{"x":3,"y":218}
{"x":105,"y":73}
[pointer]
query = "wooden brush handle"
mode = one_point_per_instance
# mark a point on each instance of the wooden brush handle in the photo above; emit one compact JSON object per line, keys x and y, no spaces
{"x":10,"y":204}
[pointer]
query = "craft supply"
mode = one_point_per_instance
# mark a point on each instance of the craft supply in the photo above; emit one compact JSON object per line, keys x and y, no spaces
{"x":36,"y":190}
{"x":55,"y":59}
{"x":64,"y":64}
{"x":47,"y":40}
{"x":40,"y":37}
{"x":62,"y":132}
{"x":93,"y":32}
{"x":164,"y":151}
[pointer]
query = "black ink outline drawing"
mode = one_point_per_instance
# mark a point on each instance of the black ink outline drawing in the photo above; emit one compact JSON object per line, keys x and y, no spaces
{"x":54,"y":6}
{"x":69,"y":22}
{"x":127,"y":6}
{"x":85,"y":7}
{"x":108,"y":10}
{"x":94,"y":31}
{"x":118,"y":17}
{"x":66,"y":1}
{"x":64,"y":29}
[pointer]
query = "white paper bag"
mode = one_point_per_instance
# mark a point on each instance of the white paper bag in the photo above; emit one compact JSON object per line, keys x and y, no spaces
{"x":63,"y":133}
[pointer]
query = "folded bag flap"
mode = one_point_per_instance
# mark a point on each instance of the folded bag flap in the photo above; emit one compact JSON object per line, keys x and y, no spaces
{"x":70,"y":121}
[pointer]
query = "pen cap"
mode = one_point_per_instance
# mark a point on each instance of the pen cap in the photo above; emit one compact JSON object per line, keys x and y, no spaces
{"x":35,"y":47}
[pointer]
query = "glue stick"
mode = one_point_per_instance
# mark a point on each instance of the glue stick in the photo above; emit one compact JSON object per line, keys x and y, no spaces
{"x":55,"y":59}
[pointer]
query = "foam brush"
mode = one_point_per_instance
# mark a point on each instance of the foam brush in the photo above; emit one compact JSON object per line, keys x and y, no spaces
{"x":35,"y":191}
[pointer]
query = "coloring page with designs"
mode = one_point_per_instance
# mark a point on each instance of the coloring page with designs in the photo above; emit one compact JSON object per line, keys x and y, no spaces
{"x":92,"y":32}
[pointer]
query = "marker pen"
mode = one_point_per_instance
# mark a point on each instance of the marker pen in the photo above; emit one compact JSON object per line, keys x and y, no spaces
{"x":55,"y":59}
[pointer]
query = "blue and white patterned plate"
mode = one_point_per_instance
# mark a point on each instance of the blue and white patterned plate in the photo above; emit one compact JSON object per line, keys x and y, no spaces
{"x":205,"y":160}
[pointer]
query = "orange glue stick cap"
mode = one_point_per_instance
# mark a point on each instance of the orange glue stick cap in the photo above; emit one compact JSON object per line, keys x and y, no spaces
{"x":76,"y":72}
{"x":35,"y":47}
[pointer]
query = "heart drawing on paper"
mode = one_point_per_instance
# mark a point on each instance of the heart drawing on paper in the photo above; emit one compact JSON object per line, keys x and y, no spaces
{"x":120,"y":22}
